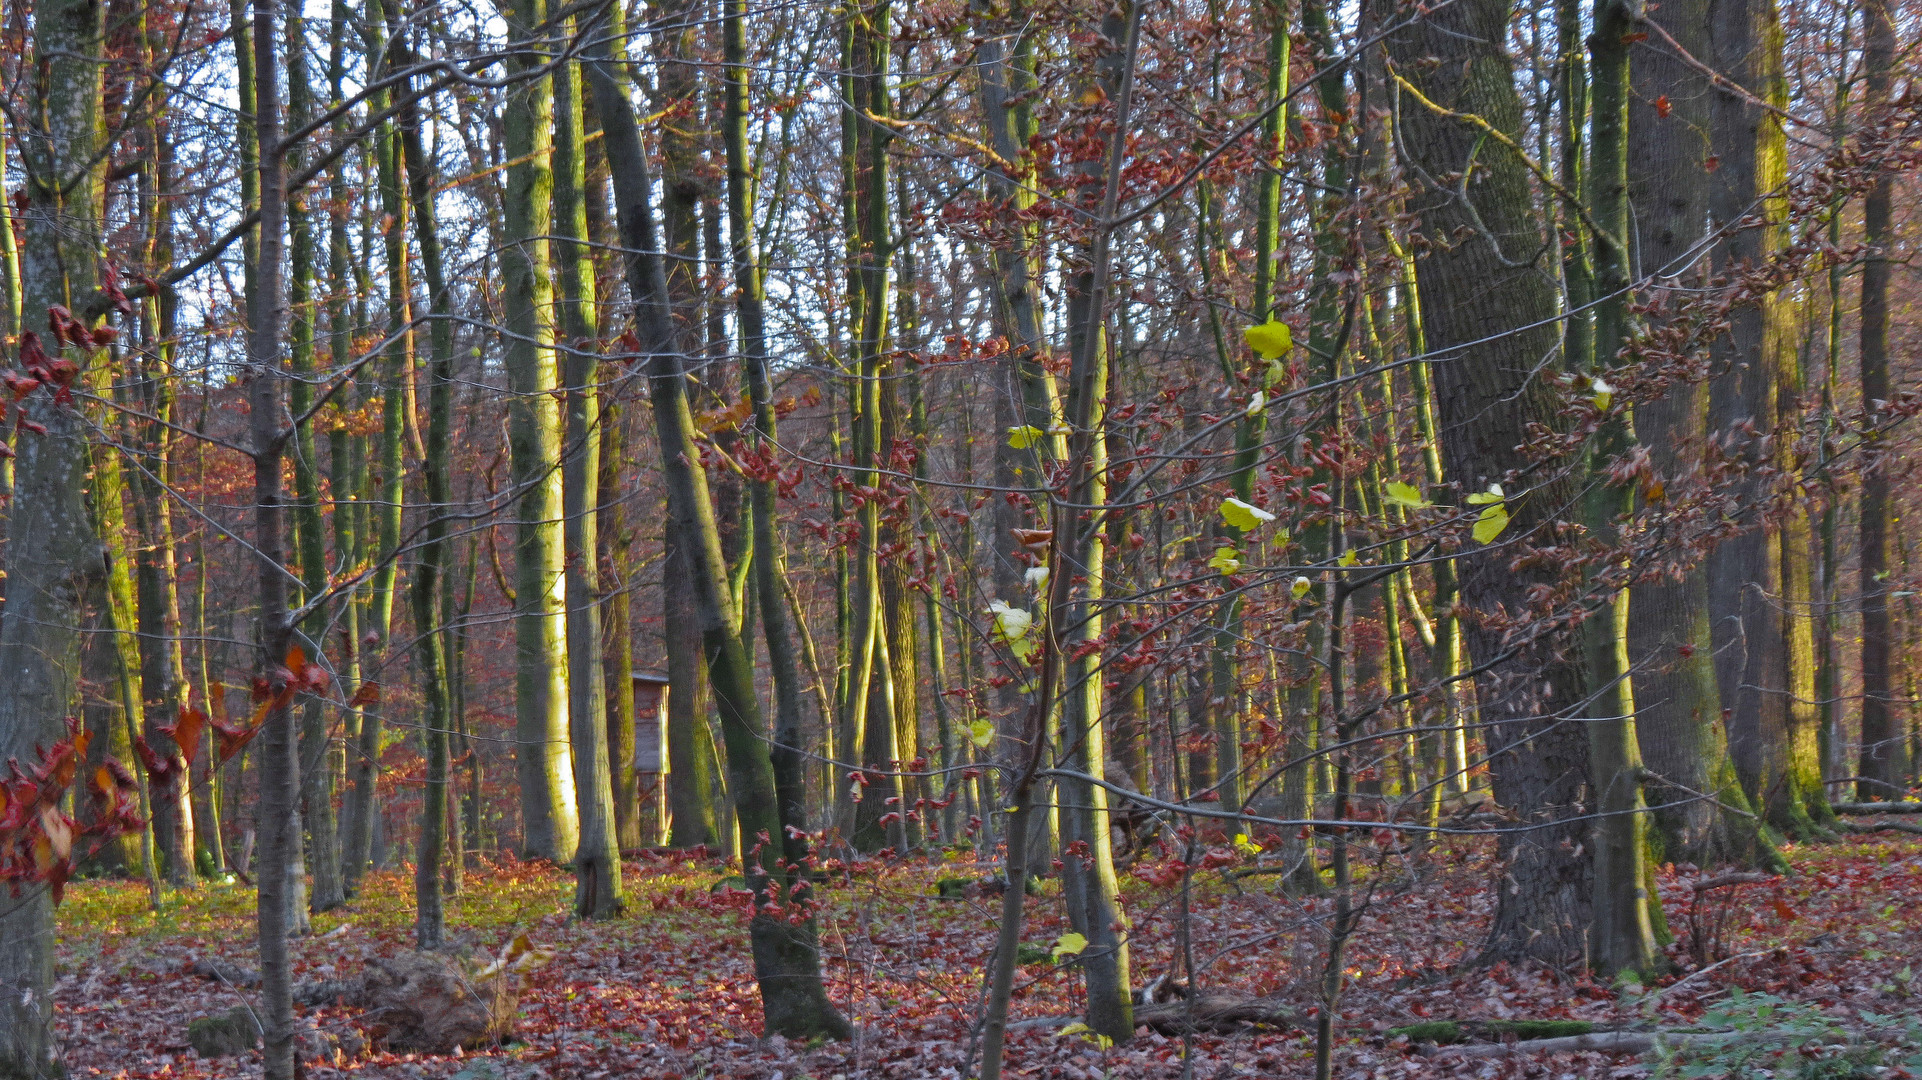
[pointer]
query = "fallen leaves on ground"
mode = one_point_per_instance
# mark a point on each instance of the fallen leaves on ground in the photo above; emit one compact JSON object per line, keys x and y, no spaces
{"x":669,"y":992}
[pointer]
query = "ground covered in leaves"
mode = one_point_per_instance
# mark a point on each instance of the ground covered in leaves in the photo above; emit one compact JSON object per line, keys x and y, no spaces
{"x":669,"y":992}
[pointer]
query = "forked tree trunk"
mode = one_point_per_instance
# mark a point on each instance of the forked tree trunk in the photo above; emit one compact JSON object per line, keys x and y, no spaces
{"x":786,"y":954}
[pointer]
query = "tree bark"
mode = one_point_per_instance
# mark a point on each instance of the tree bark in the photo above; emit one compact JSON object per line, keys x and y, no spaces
{"x":1753,"y":577}
{"x":1678,"y":703}
{"x":550,"y":826}
{"x":425,"y":590}
{"x":597,"y":861}
{"x":278,"y":820}
{"x":1884,"y":751}
{"x":1486,"y":271}
{"x":50,"y":543}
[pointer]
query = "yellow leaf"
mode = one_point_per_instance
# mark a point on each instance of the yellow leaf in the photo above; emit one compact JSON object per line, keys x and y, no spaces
{"x":1069,"y":944}
{"x":981,"y":733}
{"x":1246,"y":846}
{"x":1012,"y":623}
{"x":1227,"y":560}
{"x":1300,"y":587}
{"x":1277,"y":371}
{"x":1494,"y":494}
{"x":1024,"y":436}
{"x":1348,"y":558}
{"x":1244,"y":516}
{"x":1491,"y":523}
{"x":1404,"y":495}
{"x":1073,"y":1029}
{"x":1270,"y":339}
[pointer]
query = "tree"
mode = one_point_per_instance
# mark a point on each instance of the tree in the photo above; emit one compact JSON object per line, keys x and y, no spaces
{"x":544,"y":764}
{"x":1481,"y":272}
{"x":786,"y":955}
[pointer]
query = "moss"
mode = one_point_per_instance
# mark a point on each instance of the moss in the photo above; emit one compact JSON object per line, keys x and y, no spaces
{"x":233,"y":1032}
{"x":1030,"y":953}
{"x":1444,"y":1032}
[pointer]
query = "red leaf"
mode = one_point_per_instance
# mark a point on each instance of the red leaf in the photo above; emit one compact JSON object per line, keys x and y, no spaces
{"x":368,"y":694}
{"x":186,"y":731}
{"x":1662,"y":106}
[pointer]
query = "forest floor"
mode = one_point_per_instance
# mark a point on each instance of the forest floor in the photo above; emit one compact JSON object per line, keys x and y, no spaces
{"x":668,"y":991}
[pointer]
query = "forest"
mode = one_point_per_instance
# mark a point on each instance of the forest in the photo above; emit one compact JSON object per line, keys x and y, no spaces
{"x":960,"y":538}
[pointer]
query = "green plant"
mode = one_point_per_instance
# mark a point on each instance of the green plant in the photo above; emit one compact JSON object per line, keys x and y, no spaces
{"x":1767,"y":1037}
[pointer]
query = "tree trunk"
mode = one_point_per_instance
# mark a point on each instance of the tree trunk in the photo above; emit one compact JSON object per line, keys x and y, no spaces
{"x":1622,"y":937}
{"x":50,"y":544}
{"x":1678,"y":704}
{"x":597,"y":861}
{"x":544,"y":764}
{"x":1771,"y":734}
{"x":426,"y":588}
{"x":786,"y":955}
{"x":1884,"y":753}
{"x":1483,"y":274}
{"x":278,"y":818}
{"x":316,"y":777}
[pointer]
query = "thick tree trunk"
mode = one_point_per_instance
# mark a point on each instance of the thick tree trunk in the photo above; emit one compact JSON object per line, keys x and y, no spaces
{"x":544,"y":764}
{"x":1678,"y":704}
{"x":1486,"y":271}
{"x":50,"y":544}
{"x":1762,"y":653}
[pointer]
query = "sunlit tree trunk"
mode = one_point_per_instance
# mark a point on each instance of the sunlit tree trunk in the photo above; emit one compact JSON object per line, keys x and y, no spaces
{"x":1765,"y":674}
{"x":597,"y":861}
{"x":544,"y":764}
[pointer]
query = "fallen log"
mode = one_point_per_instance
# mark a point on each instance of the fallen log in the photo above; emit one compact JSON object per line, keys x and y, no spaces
{"x":1213,"y":1014}
{"x":1882,"y":826}
{"x":1218,"y":1014}
{"x":1864,"y":808}
{"x":1601,"y":1042}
